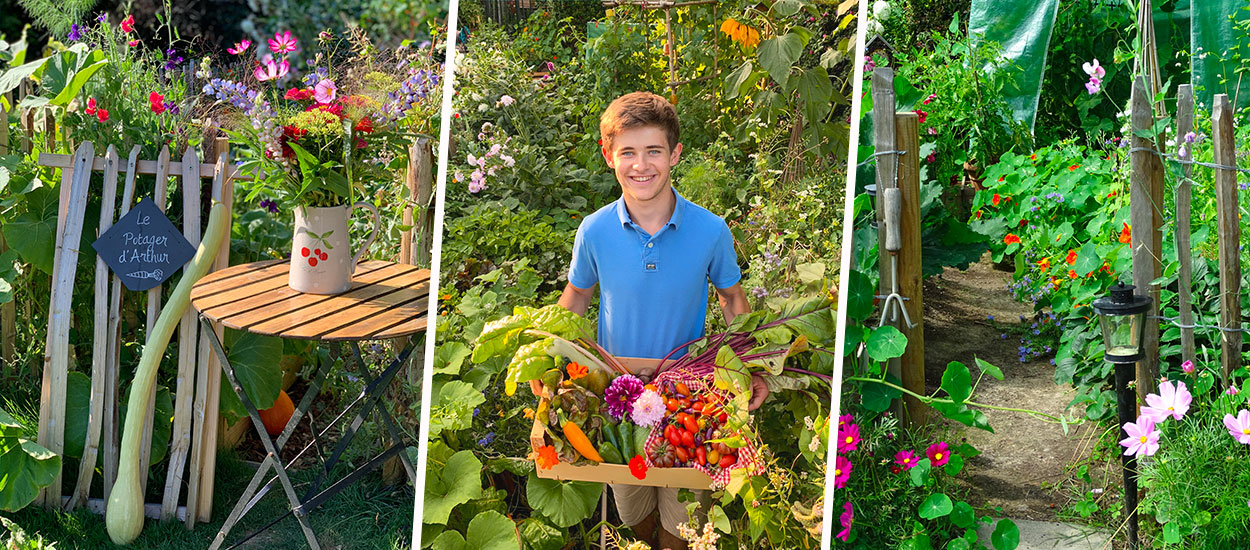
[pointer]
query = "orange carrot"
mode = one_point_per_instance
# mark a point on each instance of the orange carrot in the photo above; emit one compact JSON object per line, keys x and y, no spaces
{"x":578,"y":439}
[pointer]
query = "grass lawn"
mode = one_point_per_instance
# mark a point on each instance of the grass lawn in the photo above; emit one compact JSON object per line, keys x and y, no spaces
{"x":366,"y":514}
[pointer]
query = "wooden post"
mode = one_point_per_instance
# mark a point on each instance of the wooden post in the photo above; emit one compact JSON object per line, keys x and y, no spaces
{"x":671,"y":47}
{"x":111,"y":410}
{"x":910,"y":282}
{"x":1145,"y":207}
{"x":1230,"y":234}
{"x":884,"y":141}
{"x":414,"y":244}
{"x":1184,"y":192}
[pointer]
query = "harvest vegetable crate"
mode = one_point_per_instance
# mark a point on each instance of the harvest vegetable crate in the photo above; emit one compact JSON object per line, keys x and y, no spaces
{"x":687,"y":478}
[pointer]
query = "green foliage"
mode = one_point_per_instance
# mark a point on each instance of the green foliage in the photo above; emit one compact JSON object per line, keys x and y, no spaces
{"x":1084,"y":31}
{"x":56,"y":17}
{"x":25,"y":466}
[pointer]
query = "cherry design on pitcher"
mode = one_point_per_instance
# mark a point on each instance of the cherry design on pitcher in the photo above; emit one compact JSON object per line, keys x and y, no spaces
{"x":316,"y":254}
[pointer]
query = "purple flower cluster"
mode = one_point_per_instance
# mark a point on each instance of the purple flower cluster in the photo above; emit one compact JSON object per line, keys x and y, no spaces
{"x":621,"y":393}
{"x":172,"y":59}
{"x":261,"y":114}
{"x":415,"y":88}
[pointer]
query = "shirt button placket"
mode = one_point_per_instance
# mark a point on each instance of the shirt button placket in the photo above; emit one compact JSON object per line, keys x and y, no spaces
{"x":649,"y":256}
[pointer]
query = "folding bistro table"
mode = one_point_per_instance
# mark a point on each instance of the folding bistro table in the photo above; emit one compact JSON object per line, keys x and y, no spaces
{"x":387,"y":300}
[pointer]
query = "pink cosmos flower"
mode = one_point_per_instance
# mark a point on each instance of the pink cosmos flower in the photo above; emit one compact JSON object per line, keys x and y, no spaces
{"x":283,"y":42}
{"x":844,"y":419}
{"x":848,"y":438}
{"x":269,"y":69}
{"x":939,"y":454}
{"x":847,"y":518}
{"x":1239,"y":427}
{"x":325,"y":91}
{"x":841,"y":471}
{"x":1187,"y":367}
{"x":906,"y":459}
{"x":1173,"y":401}
{"x":1143,"y":438}
{"x":240,"y":47}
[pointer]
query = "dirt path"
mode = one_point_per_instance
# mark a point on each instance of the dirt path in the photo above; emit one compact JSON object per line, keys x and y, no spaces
{"x":1024,"y":456}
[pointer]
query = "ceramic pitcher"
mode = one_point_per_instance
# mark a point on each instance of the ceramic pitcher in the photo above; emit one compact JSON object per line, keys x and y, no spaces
{"x":321,"y":257}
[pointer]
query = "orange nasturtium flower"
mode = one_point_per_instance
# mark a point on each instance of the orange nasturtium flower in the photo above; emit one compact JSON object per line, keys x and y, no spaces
{"x":1044,"y":264}
{"x":1071,"y":259}
{"x":996,"y":199}
{"x":1126,"y":234}
{"x":1011,"y":238}
{"x":577,"y":370}
{"x":547,"y":457}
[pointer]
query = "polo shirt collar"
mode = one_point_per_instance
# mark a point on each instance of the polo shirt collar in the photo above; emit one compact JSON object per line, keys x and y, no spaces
{"x":674,"y":221}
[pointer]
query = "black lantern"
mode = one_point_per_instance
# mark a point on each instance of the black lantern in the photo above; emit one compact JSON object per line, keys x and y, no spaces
{"x":1122,"y":316}
{"x":871,"y":191}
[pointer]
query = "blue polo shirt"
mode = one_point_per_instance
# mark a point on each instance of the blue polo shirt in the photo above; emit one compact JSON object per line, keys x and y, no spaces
{"x":652,"y":288}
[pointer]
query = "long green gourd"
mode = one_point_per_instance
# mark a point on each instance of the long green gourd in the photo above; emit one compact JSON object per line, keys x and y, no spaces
{"x":124,"y":515}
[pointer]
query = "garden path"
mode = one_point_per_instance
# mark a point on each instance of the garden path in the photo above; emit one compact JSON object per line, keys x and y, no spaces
{"x":1025,"y":458}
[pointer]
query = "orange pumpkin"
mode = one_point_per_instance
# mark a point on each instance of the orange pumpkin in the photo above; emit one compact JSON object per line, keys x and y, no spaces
{"x":276,"y":417}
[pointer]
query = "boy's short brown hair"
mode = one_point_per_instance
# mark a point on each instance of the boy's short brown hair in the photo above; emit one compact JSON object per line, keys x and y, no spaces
{"x":639,"y":109}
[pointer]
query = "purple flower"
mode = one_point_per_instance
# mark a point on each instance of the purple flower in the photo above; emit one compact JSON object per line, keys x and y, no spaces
{"x":269,"y":205}
{"x":621,"y":393}
{"x":101,"y":18}
{"x":486,"y":440}
{"x":75,"y":33}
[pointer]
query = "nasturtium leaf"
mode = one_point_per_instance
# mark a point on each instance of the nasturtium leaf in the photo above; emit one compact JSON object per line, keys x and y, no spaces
{"x":958,"y":544}
{"x":877,"y":397}
{"x":957,"y":381}
{"x":936,"y":506}
{"x":454,"y":483}
{"x":989,"y":369}
{"x":963,"y":516}
{"x":1006,"y":535}
{"x":859,"y":300}
{"x":885,"y":343}
{"x":565,"y":502}
{"x":919,"y":473}
{"x":1087,"y":259}
{"x":954,"y":465}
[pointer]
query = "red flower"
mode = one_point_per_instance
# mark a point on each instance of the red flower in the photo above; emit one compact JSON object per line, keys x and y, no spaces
{"x":1001,"y":178}
{"x":128,"y":24}
{"x":1071,"y":259}
{"x":298,"y":94}
{"x":638,"y":467}
{"x":157,"y":102}
{"x":1033,"y":156}
{"x":335,"y":109}
{"x":365,"y":126}
{"x":102,"y":114}
{"x":1011,"y":238}
{"x":1073,"y":167}
{"x":923,"y":115}
{"x":457,"y":115}
{"x":939,"y":454}
{"x":1044,"y":264}
{"x":978,"y":214}
{"x":895,"y":469}
{"x":1071,"y":274}
{"x":996,"y":199}
{"x":1111,"y":194}
{"x":90,"y":107}
{"x":1024,"y":223}
{"x":1126,"y":234}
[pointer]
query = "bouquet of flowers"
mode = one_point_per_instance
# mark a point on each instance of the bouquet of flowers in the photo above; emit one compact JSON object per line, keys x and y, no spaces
{"x":313,"y":138}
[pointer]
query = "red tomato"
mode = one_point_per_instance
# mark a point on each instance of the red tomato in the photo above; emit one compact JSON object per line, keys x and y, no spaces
{"x":687,"y":438}
{"x":682,"y":389}
{"x":671,"y":404}
{"x":681,"y":455}
{"x":727,"y":461}
{"x":700,"y":455}
{"x":689,"y":423}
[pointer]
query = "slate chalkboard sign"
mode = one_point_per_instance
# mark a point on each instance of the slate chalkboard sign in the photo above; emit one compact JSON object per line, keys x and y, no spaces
{"x":144,"y":248}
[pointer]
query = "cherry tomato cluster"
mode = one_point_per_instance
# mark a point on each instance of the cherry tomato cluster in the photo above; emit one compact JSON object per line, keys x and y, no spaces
{"x":690,"y":425}
{"x":316,"y":254}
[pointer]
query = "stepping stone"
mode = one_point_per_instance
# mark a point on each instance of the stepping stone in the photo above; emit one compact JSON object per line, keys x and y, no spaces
{"x":1050,"y":535}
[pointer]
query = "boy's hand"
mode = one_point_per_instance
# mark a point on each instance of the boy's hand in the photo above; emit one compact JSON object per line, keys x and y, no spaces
{"x":759,"y":392}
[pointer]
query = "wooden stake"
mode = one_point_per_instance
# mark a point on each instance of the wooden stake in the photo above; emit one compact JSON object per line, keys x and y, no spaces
{"x":1230,"y":234}
{"x":8,"y":311}
{"x":910,"y":282}
{"x":1146,"y":217}
{"x":111,"y":410}
{"x":56,"y":360}
{"x":160,"y":195}
{"x":99,"y":350}
{"x":180,"y":435}
{"x":1184,"y":257}
{"x":883,"y":125}
{"x":223,"y":190}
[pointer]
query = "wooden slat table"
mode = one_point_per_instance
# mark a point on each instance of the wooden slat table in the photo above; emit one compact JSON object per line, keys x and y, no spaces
{"x":387,"y":300}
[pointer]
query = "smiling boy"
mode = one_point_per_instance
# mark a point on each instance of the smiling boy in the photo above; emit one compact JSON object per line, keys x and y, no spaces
{"x":652,"y":254}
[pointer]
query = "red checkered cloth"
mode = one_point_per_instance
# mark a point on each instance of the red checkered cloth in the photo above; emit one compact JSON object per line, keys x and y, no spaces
{"x":699,"y":380}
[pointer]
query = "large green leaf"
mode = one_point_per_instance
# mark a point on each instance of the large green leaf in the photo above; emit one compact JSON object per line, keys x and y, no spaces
{"x":877,"y":397}
{"x":815,"y":91}
{"x":25,"y":466}
{"x":539,"y":535}
{"x":885,"y":343}
{"x":778,"y":54}
{"x":491,"y":530}
{"x":957,"y":381}
{"x":498,"y":337}
{"x":1006,"y":535}
{"x":1023,"y":30}
{"x":33,"y":232}
{"x":255,"y":360}
{"x":449,"y":358}
{"x":859,"y":299}
{"x":730,"y":373}
{"x":936,"y":506}
{"x":453,"y":410}
{"x":450,"y":485}
{"x":8,"y":274}
{"x":565,"y":502}
{"x":13,"y":78}
{"x":84,"y":65}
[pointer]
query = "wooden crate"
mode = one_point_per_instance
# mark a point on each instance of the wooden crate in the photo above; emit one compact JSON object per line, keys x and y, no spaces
{"x":689,"y":478}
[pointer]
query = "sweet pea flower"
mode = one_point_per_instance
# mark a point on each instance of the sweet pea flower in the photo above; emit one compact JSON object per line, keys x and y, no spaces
{"x":91,"y":106}
{"x":156,"y":102}
{"x":1173,"y":401}
{"x":270,"y":69}
{"x":282,"y":42}
{"x":1093,"y":86}
{"x":240,"y":47}
{"x":1232,"y":390}
{"x":1094,"y":70}
{"x":133,"y":43}
{"x":1143,"y":438}
{"x":128,"y":24}
{"x":325,"y":91}
{"x":1239,"y":427}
